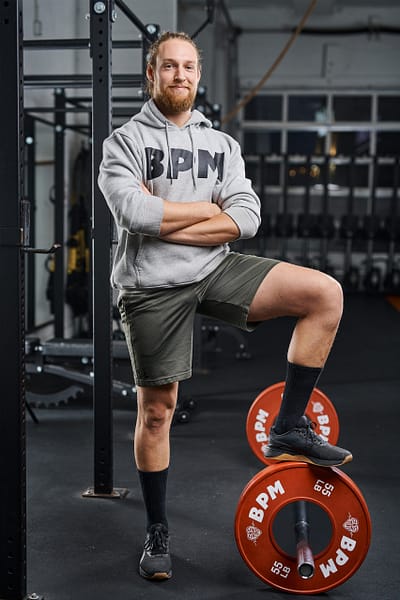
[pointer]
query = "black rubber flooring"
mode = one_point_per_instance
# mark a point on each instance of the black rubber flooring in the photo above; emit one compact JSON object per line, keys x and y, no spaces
{"x":80,"y":549}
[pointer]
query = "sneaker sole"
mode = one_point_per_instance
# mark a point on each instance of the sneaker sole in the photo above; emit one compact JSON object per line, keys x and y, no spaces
{"x":319,"y":463}
{"x":159,"y":576}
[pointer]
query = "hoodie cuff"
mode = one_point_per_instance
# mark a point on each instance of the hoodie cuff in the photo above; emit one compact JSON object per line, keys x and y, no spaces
{"x":247,"y":222}
{"x":152,"y":215}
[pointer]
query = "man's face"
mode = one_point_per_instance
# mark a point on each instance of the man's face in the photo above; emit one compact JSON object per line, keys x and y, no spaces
{"x":175,"y":77}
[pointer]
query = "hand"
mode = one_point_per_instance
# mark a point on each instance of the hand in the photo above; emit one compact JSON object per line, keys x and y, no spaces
{"x":214,"y":209}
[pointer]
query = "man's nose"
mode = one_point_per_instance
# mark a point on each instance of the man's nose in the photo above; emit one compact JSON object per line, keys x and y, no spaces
{"x":180,"y":74}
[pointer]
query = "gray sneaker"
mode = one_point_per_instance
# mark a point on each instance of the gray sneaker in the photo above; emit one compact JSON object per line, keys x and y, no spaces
{"x":155,"y":562}
{"x":303,"y":444}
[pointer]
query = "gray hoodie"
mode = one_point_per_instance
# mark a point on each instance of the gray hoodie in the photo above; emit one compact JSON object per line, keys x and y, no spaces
{"x":179,"y":164}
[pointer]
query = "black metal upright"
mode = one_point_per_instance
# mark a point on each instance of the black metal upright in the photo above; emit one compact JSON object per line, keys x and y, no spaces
{"x":59,"y":211}
{"x":101,"y":18}
{"x":12,"y":309}
{"x":30,"y":193}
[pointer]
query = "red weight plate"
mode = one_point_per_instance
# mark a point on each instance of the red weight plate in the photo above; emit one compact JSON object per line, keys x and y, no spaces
{"x":264,"y":411}
{"x":329,"y":488}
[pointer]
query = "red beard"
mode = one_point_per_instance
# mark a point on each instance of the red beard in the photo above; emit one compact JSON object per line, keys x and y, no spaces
{"x":169,"y":103}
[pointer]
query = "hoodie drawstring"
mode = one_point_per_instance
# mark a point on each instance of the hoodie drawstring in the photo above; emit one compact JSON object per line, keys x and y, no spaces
{"x":194,"y":157}
{"x":169,"y":162}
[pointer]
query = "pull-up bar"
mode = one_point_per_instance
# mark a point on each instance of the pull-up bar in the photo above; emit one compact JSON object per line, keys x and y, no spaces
{"x":75,"y":44}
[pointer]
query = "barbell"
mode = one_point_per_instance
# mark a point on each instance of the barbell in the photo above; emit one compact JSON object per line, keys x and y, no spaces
{"x":300,"y":528}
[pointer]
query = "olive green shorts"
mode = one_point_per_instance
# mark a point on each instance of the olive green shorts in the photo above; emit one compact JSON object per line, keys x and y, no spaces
{"x":158,"y":322}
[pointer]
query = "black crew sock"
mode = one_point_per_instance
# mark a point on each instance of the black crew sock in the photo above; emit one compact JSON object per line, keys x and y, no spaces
{"x":300,"y":382}
{"x":154,"y":489}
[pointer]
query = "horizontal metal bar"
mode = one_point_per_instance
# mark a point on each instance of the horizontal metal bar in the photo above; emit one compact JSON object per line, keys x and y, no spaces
{"x":119,"y":111}
{"x":370,"y":30}
{"x":79,"y":99}
{"x":337,"y":160}
{"x":118,"y":387}
{"x":314,"y":126}
{"x":317,"y":191}
{"x":52,"y":109}
{"x":77,"y":348}
{"x":75,"y":44}
{"x":81,"y":81}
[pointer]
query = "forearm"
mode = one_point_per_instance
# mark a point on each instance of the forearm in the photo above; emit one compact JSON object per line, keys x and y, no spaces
{"x":211,"y":232}
{"x":180,"y":215}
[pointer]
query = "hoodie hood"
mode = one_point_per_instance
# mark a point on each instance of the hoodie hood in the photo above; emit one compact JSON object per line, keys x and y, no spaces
{"x":152,"y":117}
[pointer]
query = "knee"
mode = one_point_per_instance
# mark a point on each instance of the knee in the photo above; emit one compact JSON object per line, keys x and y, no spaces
{"x":156,"y":407}
{"x":329,"y":298}
{"x":157,"y":417}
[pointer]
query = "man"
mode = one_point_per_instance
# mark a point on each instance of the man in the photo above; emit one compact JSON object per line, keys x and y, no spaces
{"x":178,"y":194}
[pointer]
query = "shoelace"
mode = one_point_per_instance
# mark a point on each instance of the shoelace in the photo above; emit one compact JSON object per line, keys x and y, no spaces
{"x":311,"y":436}
{"x":157,"y":541}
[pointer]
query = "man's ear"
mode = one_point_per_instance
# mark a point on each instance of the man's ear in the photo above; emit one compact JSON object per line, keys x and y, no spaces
{"x":150,"y":73}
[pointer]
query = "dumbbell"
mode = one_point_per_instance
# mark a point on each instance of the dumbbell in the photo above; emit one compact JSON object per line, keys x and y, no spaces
{"x":330,"y":530}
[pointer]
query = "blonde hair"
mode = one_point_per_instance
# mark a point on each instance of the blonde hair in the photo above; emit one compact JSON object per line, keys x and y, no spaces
{"x":155,"y":46}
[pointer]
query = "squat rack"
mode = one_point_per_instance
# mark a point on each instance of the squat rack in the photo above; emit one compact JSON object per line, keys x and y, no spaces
{"x":14,"y":244}
{"x":12,"y":263}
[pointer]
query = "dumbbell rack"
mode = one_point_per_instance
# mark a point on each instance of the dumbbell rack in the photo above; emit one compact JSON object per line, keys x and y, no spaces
{"x":339,"y":214}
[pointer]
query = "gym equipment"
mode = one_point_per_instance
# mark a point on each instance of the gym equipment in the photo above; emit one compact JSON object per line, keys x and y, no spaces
{"x":70,"y":360}
{"x":349,"y":227}
{"x":342,"y":527}
{"x":325,"y":222}
{"x":212,"y":333}
{"x":265,"y":408}
{"x":306,"y":222}
{"x":183,"y":410}
{"x":391,"y":282}
{"x":372,"y":280}
{"x":330,"y":528}
{"x":284,"y":223}
{"x":318,"y":225}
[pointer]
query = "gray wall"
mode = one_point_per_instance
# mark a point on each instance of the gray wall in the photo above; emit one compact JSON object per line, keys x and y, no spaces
{"x":364,"y":61}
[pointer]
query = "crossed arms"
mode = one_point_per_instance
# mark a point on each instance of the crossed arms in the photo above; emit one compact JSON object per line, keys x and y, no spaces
{"x":196,"y":223}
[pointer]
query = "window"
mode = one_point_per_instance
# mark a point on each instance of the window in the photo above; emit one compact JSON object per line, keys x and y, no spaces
{"x":389,"y":108}
{"x":352,"y":108}
{"x":264,"y":108}
{"x":307,"y":108}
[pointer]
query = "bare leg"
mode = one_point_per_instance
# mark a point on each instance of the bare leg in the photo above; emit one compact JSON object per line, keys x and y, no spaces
{"x":314,"y":297}
{"x":316,"y":300}
{"x":156,"y":407}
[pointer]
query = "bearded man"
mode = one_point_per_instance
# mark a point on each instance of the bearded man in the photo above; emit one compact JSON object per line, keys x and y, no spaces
{"x":178,"y":194}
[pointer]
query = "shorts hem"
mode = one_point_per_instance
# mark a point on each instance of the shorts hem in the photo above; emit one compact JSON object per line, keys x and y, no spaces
{"x":163,"y":380}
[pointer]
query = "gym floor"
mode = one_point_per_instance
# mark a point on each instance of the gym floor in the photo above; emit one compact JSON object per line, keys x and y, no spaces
{"x":89,"y":548}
